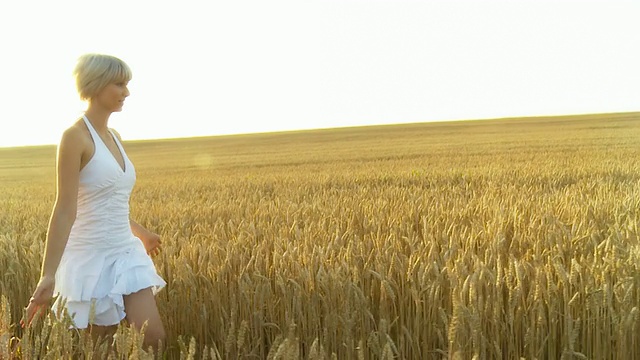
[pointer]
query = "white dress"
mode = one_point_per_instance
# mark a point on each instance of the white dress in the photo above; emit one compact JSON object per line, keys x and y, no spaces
{"x":103,"y":260}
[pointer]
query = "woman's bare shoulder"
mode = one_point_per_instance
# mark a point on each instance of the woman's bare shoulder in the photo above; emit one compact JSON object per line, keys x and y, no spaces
{"x":76,"y":136}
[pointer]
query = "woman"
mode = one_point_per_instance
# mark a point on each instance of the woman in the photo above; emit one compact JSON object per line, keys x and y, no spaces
{"x":97,"y":258}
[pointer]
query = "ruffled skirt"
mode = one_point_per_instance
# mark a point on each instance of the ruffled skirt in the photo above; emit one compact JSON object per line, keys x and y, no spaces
{"x":93,"y":283}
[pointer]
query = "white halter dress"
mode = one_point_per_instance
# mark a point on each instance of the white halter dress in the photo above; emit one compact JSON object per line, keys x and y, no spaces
{"x":103,"y":260}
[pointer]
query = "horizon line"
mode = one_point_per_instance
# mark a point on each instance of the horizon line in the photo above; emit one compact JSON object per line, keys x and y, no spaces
{"x":505,"y":118}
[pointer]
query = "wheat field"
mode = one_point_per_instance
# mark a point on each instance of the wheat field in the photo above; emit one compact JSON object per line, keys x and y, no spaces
{"x":493,"y":239}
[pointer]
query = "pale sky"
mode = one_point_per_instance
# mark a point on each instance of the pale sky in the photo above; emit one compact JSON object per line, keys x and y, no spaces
{"x":242,"y":66}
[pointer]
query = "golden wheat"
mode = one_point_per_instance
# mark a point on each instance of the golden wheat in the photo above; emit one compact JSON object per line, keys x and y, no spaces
{"x":487,"y":239}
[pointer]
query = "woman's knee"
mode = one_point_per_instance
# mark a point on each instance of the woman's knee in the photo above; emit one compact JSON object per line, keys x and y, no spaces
{"x":155,"y":335}
{"x":141,"y":308}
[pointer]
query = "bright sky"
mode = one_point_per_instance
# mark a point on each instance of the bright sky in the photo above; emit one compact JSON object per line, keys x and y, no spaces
{"x":242,"y":66}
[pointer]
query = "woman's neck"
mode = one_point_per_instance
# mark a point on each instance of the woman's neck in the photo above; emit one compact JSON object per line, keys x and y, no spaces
{"x":98,"y":118}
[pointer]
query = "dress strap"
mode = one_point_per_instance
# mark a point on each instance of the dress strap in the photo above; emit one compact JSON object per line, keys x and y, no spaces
{"x":91,"y":129}
{"x":97,"y":138}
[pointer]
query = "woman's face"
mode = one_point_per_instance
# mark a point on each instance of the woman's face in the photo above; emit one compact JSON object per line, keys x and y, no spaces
{"x":112,"y":96}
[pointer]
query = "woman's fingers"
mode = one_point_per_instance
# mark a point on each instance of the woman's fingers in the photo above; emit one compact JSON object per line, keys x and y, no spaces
{"x":33,"y":309}
{"x":155,"y":251}
{"x":152,"y":246}
{"x":155,"y":248}
{"x":39,"y":300}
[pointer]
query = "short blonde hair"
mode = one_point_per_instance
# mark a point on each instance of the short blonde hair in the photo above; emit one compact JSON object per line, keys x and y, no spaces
{"x":93,"y":72}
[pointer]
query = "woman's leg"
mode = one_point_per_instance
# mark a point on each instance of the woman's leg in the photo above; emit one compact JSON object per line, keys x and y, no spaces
{"x":101,"y":334}
{"x":140,"y":308}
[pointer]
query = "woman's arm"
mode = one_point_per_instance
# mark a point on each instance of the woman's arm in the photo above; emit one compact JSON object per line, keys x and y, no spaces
{"x":64,"y":211}
{"x":68,"y":162}
{"x":150,"y":239}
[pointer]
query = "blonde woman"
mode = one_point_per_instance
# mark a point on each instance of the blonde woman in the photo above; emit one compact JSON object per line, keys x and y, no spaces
{"x":97,"y":258}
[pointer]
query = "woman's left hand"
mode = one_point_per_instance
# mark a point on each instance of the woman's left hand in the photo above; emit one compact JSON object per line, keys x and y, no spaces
{"x":151,"y":243}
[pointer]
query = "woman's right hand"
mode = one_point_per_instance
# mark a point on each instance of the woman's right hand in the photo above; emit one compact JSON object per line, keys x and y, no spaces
{"x":40,"y":299}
